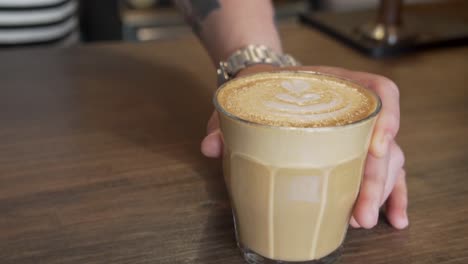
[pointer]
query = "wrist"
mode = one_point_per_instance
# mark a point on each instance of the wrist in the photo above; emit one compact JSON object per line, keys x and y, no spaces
{"x":238,"y":24}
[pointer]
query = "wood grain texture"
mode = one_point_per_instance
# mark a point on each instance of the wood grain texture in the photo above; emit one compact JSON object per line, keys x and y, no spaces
{"x":100,"y":162}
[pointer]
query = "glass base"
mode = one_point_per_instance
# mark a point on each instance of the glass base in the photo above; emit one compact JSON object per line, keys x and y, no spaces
{"x":254,"y":258}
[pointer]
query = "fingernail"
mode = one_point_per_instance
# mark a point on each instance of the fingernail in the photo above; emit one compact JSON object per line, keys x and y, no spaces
{"x":371,"y":218}
{"x":375,"y":212}
{"x":405,"y":216}
{"x":382,"y":145}
{"x":405,"y":222}
{"x":402,"y":222}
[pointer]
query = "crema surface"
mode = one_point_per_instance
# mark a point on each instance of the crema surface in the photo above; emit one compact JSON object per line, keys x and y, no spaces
{"x":296,"y":99}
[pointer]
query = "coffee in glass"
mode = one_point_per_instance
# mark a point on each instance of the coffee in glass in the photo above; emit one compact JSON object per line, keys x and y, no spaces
{"x":295,"y":145}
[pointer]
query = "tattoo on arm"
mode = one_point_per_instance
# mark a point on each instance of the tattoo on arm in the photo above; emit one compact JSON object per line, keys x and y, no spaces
{"x":197,"y":10}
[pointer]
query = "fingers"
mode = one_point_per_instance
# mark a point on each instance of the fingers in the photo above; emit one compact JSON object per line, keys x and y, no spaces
{"x":385,"y":155}
{"x":212,"y":144}
{"x":366,"y":211}
{"x":395,"y":165}
{"x":398,"y":202}
{"x":383,"y":174}
{"x":388,"y":122}
{"x":213,"y":123}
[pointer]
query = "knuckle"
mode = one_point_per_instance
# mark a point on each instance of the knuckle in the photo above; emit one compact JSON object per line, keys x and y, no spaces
{"x":393,"y":123}
{"x":369,"y":197}
{"x":373,"y":184}
{"x":390,"y":85}
{"x":382,"y":82}
{"x":399,"y":155}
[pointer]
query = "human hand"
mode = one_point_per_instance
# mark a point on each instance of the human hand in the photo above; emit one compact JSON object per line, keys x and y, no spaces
{"x":384,"y":177}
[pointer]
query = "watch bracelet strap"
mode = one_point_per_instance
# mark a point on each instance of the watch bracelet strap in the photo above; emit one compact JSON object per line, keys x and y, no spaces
{"x":256,"y":54}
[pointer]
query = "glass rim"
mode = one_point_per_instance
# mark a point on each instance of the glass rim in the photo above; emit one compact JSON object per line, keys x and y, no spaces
{"x":220,"y":109}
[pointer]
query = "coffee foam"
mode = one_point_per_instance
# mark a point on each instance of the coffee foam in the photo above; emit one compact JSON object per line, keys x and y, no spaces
{"x":296,"y":99}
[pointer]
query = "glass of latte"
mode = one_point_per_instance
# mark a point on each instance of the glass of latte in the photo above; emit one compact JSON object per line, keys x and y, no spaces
{"x":295,"y":144}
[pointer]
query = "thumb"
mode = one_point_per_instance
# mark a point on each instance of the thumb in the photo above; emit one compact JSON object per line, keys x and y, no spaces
{"x":213,"y":123}
{"x":212,"y":144}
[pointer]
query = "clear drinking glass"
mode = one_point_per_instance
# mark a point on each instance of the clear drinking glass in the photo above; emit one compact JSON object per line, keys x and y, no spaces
{"x":292,"y":189}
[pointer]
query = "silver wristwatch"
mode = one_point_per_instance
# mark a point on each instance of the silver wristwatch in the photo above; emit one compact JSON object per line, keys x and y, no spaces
{"x":250,"y":55}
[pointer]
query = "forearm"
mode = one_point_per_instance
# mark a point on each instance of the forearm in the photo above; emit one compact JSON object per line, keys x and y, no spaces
{"x":224,"y":26}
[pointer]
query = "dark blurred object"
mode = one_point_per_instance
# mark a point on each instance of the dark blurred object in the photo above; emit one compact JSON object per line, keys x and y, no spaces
{"x":387,"y":29}
{"x":393,"y":32}
{"x":100,"y":20}
{"x":145,"y":4}
{"x":147,"y":20}
{"x":316,"y":5}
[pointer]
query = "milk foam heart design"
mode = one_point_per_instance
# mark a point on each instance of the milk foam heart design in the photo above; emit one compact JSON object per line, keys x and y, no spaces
{"x":297,"y":100}
{"x":296,"y":86}
{"x":301,"y":103}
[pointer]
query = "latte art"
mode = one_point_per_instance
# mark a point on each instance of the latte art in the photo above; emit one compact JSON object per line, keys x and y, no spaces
{"x":296,"y":99}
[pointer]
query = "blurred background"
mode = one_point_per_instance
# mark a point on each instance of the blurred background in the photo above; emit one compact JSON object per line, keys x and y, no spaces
{"x":144,"y":20}
{"x":374,"y":27}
